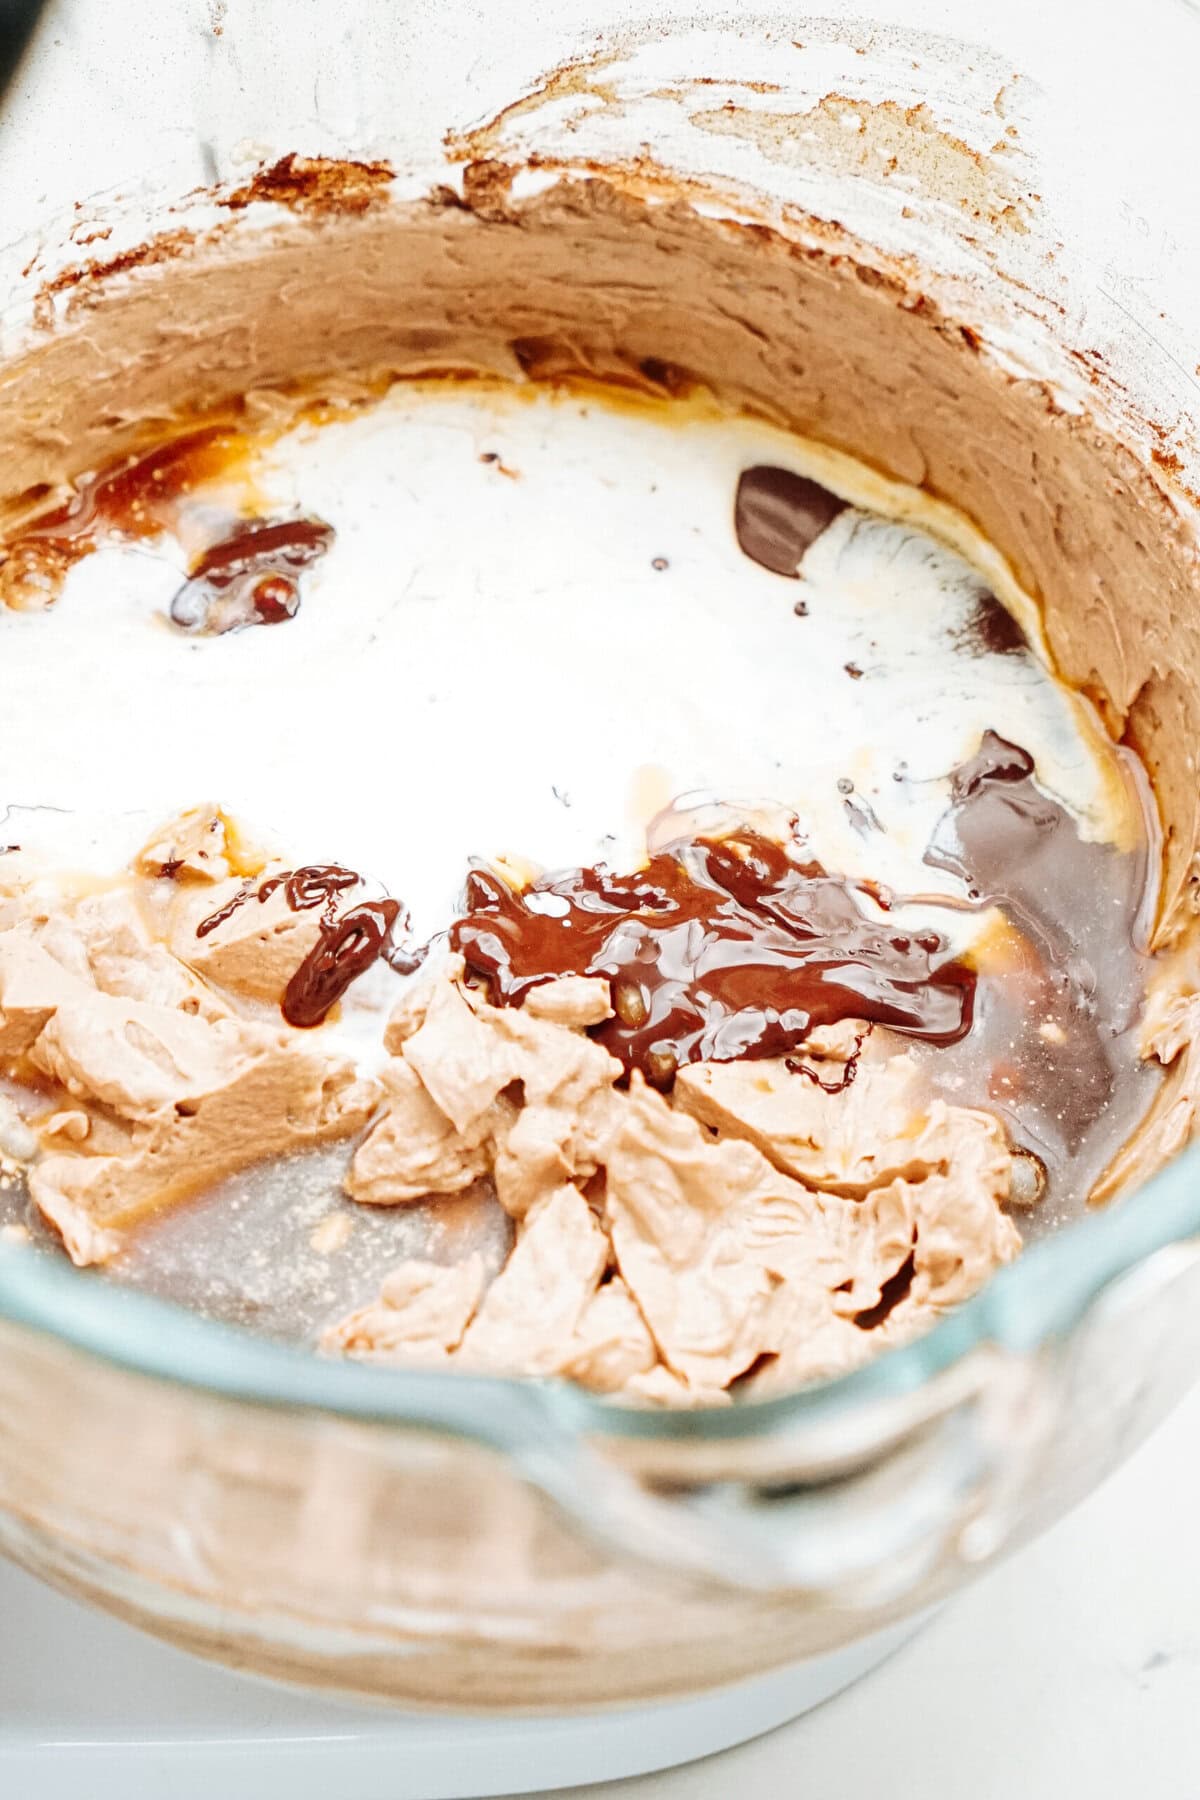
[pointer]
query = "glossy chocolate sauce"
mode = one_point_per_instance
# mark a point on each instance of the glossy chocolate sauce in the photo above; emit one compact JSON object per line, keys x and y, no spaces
{"x":251,"y":577}
{"x":316,"y":884}
{"x":777,"y":515}
{"x":346,"y":948}
{"x":727,"y":948}
{"x":717,"y":950}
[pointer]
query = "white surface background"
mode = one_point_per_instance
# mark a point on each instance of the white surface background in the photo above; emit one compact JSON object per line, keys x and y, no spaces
{"x":1072,"y":1670}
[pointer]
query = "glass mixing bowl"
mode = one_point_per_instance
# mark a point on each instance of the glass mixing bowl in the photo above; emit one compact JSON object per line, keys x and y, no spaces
{"x":478,"y":1543}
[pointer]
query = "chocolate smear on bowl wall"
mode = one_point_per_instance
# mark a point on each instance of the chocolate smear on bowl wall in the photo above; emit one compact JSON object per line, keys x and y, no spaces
{"x":1060,"y":990}
{"x":777,"y":515}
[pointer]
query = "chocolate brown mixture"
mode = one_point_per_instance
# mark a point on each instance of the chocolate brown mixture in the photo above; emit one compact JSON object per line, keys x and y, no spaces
{"x":718,"y":949}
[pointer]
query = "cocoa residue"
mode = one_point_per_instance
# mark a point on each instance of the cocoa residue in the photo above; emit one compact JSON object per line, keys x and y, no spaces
{"x":315,"y":184}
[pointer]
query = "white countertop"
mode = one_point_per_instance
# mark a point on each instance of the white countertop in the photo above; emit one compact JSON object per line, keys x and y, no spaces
{"x":1071,"y":1670}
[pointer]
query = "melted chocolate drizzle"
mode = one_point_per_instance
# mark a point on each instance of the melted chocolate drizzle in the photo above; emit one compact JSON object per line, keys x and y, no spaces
{"x":250,"y":577}
{"x":346,"y":948}
{"x":227,"y":911}
{"x":777,"y":515}
{"x":717,"y":950}
{"x":316,"y":884}
{"x":849,"y":1069}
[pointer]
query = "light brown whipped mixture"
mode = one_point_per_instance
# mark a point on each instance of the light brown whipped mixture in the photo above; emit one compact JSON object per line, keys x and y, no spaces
{"x":664,"y":1248}
{"x":154,"y":1081}
{"x":752,"y":1217}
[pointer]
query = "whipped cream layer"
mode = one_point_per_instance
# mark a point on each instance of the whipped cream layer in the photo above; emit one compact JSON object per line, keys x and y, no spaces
{"x":533,"y":630}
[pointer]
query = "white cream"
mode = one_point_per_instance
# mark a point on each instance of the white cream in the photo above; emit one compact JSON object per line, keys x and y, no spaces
{"x":488,"y":662}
